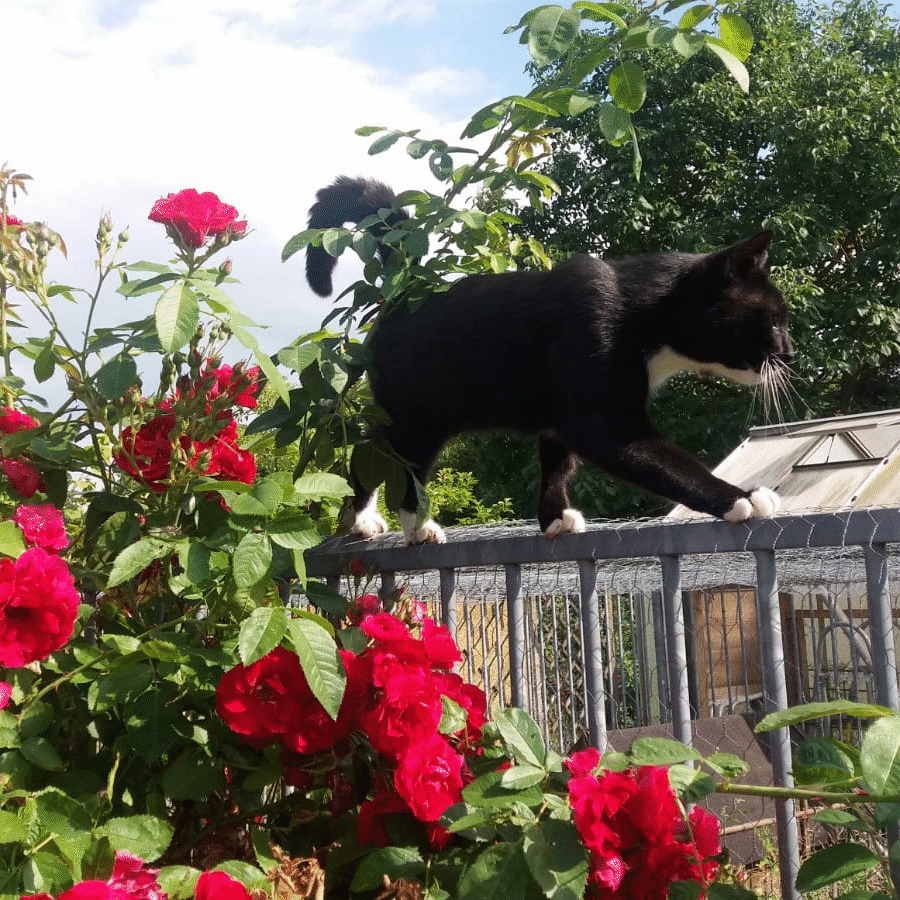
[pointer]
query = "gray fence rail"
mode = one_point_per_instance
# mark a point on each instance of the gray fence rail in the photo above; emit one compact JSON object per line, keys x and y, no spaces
{"x":693,"y":628}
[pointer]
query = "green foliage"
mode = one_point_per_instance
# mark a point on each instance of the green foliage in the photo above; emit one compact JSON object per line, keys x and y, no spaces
{"x":811,"y":152}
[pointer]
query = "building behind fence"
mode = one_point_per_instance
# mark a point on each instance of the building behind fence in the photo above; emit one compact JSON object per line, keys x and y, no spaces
{"x":689,"y":628}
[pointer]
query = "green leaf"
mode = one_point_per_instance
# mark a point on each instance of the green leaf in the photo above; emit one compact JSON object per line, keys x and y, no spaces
{"x":658,"y":751}
{"x":178,"y":882}
{"x":736,"y":34}
{"x":841,"y":818}
{"x":833,"y":864}
{"x":326,"y":599}
{"x":522,"y":736}
{"x":115,"y":377}
{"x":717,"y":891}
{"x":45,"y":872}
{"x":687,"y":43}
{"x":552,"y":33}
{"x":320,"y":485}
{"x":12,"y":543}
{"x":819,"y":760}
{"x":615,"y":123}
{"x":134,"y":559}
{"x":727,"y":765}
{"x":735,"y":67}
{"x":628,"y":86}
{"x":144,"y":836}
{"x":251,"y":560}
{"x":261,"y":632}
{"x":488,"y":790}
{"x":12,"y":829}
{"x":336,"y":240}
{"x":41,"y":753}
{"x":299,"y":242}
{"x":880,"y":757}
{"x":380,"y":144}
{"x":498,"y":873}
{"x":695,"y":15}
{"x":394,"y":862}
{"x":320,"y":661}
{"x":517,"y":777}
{"x":177,"y":317}
{"x":557,"y":859}
{"x":803,"y":713}
{"x":193,"y":775}
{"x":601,"y":12}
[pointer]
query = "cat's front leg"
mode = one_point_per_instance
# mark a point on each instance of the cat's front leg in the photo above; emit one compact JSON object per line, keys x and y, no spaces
{"x":761,"y":502}
{"x":427,"y":532}
{"x":648,"y":460}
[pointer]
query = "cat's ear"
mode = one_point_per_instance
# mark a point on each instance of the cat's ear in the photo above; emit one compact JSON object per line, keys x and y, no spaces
{"x":749,"y":254}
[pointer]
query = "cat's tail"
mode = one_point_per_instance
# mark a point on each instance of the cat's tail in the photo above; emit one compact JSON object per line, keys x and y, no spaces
{"x":347,"y":200}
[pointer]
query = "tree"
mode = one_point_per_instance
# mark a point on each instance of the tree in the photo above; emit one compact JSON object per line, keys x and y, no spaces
{"x":812,"y":152}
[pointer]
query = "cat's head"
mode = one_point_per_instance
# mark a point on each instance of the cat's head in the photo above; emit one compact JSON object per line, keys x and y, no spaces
{"x":729,"y":318}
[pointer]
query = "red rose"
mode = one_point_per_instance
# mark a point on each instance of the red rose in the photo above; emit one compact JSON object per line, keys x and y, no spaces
{"x":371,"y":820}
{"x":471,"y":698}
{"x":13,"y":222}
{"x":632,"y":825}
{"x":23,"y":476}
{"x":429,"y":777}
{"x":439,"y":645}
{"x":190,"y":218}
{"x":224,"y":459}
{"x":219,"y":886}
{"x":38,"y":605}
{"x":42,"y":525}
{"x":240,"y":385}
{"x":407,"y":710}
{"x":13,"y":421}
{"x":147,"y":455}
{"x":138,"y":881}
{"x":5,"y":694}
{"x":360,"y":607}
{"x":583,"y":762}
{"x":394,"y":642}
{"x":271,"y":702}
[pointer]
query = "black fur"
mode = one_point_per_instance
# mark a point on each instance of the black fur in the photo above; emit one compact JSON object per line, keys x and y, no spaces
{"x":347,"y":200}
{"x":563,"y":354}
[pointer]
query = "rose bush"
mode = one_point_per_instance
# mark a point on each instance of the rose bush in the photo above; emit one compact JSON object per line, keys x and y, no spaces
{"x":164,"y":698}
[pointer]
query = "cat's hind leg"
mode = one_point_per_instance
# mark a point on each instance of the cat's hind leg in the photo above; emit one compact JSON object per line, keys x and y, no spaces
{"x":555,"y":513}
{"x":420,"y":452}
{"x":367,"y":522}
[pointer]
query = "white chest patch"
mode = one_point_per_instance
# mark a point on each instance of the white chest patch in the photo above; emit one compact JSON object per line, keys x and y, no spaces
{"x":666,"y":362}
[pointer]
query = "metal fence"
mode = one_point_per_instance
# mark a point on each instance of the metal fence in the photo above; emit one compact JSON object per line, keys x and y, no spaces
{"x":689,"y":628}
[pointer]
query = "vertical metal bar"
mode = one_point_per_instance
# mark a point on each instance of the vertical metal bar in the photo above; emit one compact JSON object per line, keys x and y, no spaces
{"x":448,"y":600}
{"x":881,"y":624}
{"x":515,"y":614}
{"x":593,"y":655}
{"x":775,"y":686}
{"x":664,"y":710}
{"x":673,"y":610}
{"x":884,"y":656}
{"x":388,"y":586}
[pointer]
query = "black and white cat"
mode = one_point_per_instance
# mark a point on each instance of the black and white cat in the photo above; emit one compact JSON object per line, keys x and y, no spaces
{"x":570,"y":355}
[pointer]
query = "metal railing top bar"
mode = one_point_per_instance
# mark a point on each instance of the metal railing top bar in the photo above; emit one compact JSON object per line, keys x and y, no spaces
{"x":520,"y":544}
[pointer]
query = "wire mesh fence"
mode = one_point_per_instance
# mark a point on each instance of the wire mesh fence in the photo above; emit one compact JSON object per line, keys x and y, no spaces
{"x":693,"y":629}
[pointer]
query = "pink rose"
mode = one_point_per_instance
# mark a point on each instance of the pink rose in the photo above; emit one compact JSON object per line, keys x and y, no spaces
{"x":43,"y":526}
{"x":429,"y":777}
{"x":13,"y":421}
{"x":5,"y":694}
{"x":190,"y":218}
{"x":38,"y":605}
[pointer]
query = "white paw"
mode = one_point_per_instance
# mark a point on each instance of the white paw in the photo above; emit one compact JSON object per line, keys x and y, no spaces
{"x":761,"y":503}
{"x":429,"y":532}
{"x":368,"y":524}
{"x":571,"y":521}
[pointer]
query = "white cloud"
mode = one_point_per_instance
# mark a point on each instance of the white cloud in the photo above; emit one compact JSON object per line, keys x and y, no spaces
{"x":111,"y":106}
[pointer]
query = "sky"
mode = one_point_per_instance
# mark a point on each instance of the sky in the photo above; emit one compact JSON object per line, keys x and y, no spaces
{"x":111,"y":104}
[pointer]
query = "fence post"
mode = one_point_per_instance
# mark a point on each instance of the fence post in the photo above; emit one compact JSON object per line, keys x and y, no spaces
{"x":448,"y":600}
{"x":673,"y":610}
{"x":592,"y":642}
{"x":884,"y":656}
{"x":515,"y":616}
{"x":775,"y":689}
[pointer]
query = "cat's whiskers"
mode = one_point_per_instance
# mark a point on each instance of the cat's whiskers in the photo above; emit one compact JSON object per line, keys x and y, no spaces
{"x":776,"y":390}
